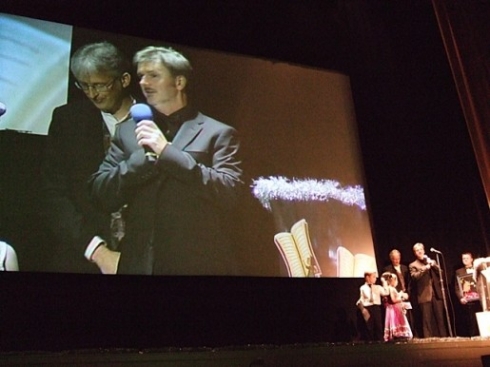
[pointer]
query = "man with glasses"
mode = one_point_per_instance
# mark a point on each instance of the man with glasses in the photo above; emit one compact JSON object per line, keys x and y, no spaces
{"x":78,"y":138}
{"x":180,"y":199}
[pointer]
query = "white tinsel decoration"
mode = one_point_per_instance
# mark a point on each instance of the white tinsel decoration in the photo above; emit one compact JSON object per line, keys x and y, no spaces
{"x":281,"y":188}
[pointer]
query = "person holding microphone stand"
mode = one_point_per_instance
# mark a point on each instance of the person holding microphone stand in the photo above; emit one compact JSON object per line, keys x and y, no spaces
{"x":425,"y":274}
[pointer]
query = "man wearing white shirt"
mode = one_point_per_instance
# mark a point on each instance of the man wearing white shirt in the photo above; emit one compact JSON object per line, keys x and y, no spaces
{"x":79,"y":136}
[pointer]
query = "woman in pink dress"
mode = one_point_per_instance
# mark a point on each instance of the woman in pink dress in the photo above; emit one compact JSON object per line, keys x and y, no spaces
{"x":396,"y":323}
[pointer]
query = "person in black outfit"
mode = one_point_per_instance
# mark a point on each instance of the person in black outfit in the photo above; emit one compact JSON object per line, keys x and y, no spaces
{"x":179,"y":175}
{"x":465,"y":290}
{"x":426,"y":274}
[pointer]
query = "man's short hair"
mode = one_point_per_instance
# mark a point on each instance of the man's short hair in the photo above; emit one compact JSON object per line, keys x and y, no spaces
{"x":418,"y":245}
{"x":100,"y":57}
{"x":393,"y":252}
{"x":173,"y":60}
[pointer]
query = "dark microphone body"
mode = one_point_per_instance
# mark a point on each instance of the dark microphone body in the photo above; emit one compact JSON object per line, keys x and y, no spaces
{"x":140,"y":112}
{"x":432,"y":249}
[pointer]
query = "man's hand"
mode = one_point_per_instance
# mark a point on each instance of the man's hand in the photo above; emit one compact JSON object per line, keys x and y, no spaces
{"x":463,"y":300}
{"x":107,"y":260}
{"x":149,"y":135}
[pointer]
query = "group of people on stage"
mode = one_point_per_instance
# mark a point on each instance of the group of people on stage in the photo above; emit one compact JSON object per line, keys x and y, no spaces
{"x":138,"y":197}
{"x":388,"y":310}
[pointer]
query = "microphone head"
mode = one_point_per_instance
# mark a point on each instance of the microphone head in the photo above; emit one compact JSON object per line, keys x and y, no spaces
{"x":141,"y":111}
{"x":3,"y":109}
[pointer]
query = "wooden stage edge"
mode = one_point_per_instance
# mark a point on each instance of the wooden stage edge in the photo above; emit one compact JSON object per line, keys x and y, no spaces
{"x":433,"y":352}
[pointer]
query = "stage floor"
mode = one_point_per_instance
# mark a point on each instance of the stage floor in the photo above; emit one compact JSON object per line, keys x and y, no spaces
{"x":433,"y":352}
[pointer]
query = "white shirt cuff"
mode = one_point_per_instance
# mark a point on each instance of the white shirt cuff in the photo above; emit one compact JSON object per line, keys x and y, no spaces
{"x":92,"y":246}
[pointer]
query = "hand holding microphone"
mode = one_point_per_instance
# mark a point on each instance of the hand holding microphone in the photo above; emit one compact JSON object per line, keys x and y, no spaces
{"x":148,"y":135}
{"x":429,"y":262}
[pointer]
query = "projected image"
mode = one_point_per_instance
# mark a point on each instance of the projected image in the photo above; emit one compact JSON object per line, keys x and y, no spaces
{"x":165,"y":159}
{"x":28,"y":45}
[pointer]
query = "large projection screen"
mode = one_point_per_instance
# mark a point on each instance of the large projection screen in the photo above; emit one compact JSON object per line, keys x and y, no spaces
{"x":304,"y":213}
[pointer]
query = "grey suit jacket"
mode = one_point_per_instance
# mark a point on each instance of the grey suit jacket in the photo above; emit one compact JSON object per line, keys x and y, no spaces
{"x":178,"y":207}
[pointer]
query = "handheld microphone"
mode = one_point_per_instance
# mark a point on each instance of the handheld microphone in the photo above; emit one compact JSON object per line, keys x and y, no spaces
{"x":3,"y":109}
{"x":432,"y":249}
{"x":428,"y":260}
{"x":140,"y":112}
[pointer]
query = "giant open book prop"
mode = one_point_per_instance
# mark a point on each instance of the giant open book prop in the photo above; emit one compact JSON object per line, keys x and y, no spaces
{"x":297,"y":252}
{"x":8,"y":258}
{"x":353,"y":266}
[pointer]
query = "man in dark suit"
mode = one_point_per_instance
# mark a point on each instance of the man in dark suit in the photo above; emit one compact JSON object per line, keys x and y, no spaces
{"x":400,"y":270}
{"x":425,"y":274}
{"x":179,"y":175}
{"x":465,"y":290}
{"x":77,"y":141}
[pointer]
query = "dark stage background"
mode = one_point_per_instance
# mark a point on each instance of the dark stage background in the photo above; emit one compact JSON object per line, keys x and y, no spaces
{"x":423,"y":183}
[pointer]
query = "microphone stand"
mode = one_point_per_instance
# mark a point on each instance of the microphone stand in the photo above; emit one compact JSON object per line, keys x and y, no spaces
{"x":444,"y":297}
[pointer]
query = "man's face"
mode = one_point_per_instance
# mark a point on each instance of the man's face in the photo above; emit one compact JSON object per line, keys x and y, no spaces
{"x":419,"y":252}
{"x":160,"y":88}
{"x":105,"y":91}
{"x":467,"y":260}
{"x":395,"y":259}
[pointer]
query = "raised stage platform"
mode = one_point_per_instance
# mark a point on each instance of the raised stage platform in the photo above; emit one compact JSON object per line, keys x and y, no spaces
{"x":434,"y":352}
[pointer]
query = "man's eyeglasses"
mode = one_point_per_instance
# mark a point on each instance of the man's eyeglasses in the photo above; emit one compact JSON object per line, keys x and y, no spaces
{"x":98,"y":87}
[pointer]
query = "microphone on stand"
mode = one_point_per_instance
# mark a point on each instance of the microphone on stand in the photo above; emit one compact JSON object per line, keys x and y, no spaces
{"x":140,"y":112}
{"x":443,"y":288}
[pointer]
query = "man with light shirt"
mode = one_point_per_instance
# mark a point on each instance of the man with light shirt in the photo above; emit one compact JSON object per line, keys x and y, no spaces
{"x":78,"y":138}
{"x":400,"y":270}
